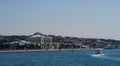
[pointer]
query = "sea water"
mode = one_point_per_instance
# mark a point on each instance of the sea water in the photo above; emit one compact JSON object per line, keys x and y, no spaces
{"x":61,"y":58}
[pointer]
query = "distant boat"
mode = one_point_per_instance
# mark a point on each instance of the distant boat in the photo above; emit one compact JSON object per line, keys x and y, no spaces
{"x":98,"y":52}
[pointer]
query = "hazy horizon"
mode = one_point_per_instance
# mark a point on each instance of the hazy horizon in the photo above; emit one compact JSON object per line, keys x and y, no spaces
{"x":79,"y":18}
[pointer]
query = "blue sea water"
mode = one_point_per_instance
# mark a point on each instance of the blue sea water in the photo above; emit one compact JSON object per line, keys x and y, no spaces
{"x":61,"y":58}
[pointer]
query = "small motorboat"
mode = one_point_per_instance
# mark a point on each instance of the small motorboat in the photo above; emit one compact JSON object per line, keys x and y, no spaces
{"x":98,"y":52}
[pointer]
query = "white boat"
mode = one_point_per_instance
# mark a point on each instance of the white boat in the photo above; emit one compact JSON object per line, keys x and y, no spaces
{"x":98,"y":52}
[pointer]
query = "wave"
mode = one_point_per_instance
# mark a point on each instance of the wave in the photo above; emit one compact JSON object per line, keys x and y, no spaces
{"x":105,"y":57}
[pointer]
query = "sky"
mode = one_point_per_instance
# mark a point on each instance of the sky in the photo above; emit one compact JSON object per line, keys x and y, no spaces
{"x":77,"y":18}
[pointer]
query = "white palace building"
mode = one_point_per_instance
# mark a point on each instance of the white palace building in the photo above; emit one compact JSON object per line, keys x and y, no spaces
{"x":44,"y":41}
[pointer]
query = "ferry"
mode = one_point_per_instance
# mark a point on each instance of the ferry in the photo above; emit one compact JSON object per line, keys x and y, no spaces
{"x":98,"y":52}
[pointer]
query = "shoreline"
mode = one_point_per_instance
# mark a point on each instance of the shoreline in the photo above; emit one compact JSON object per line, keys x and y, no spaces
{"x":40,"y":50}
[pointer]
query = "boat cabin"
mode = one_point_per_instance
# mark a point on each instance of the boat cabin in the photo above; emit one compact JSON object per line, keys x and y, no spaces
{"x":98,"y":51}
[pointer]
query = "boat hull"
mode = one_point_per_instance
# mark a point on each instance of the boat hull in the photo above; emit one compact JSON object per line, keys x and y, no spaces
{"x":97,"y":55}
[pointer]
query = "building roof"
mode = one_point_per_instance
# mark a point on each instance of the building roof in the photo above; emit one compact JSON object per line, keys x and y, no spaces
{"x":34,"y":36}
{"x":37,"y":34}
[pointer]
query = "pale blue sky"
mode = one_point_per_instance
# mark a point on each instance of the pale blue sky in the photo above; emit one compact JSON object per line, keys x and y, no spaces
{"x":79,"y":18}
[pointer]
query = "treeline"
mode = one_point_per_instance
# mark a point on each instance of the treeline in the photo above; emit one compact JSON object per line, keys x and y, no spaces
{"x":5,"y":39}
{"x":18,"y":47}
{"x":71,"y":41}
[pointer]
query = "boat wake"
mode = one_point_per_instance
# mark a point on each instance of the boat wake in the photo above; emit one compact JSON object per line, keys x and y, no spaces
{"x":103,"y":56}
{"x":97,"y":55}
